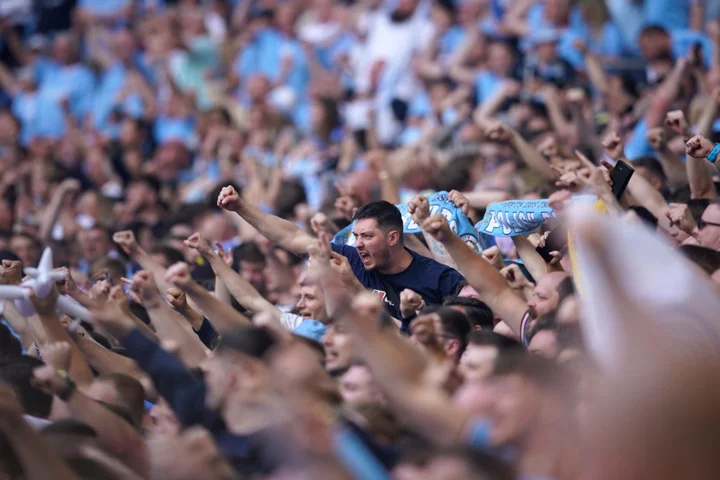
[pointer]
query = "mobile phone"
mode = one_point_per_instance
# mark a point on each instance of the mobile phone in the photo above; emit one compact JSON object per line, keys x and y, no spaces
{"x":620,"y":176}
{"x":555,"y":242}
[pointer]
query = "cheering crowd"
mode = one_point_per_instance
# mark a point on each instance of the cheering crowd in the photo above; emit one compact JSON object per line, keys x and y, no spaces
{"x":364,"y":239}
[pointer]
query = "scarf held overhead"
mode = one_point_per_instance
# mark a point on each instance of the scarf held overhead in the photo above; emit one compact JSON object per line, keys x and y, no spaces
{"x":460,"y":224}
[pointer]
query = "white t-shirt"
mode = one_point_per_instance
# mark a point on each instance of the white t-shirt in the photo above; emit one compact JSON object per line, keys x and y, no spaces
{"x":396,"y":44}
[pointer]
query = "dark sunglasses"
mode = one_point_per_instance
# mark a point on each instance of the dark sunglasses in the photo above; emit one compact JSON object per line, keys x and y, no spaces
{"x":702,"y":224}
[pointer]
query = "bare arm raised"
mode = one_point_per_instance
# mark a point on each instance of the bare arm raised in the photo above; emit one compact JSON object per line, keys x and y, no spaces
{"x":285,"y":234}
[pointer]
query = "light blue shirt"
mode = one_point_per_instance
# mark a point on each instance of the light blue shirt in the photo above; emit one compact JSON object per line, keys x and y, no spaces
{"x":104,"y":7}
{"x":486,"y":84}
{"x":671,"y":14}
{"x":74,"y":82}
{"x":638,"y":146}
{"x":39,"y":116}
{"x":111,"y":82}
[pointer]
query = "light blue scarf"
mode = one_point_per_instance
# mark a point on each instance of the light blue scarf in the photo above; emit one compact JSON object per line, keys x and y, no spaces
{"x":514,"y":217}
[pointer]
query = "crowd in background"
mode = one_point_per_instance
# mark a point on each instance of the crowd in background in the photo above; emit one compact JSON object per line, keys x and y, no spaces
{"x":290,"y":222}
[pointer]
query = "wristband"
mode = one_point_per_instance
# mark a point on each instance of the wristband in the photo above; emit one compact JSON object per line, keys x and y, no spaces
{"x":714,"y":153}
{"x":69,"y":389}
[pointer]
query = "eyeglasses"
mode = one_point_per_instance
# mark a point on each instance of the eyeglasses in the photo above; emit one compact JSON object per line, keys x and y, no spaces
{"x":702,"y":224}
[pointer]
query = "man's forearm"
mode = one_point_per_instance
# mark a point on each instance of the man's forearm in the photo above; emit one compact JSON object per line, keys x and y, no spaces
{"x":114,"y":433}
{"x":170,"y":326}
{"x":488,"y":282}
{"x":79,"y":369}
{"x":281,"y":232}
{"x":531,"y":156}
{"x":700,"y":177}
{"x":673,"y":168}
{"x":38,"y":460}
{"x":222,"y":316}
{"x":241,"y":289}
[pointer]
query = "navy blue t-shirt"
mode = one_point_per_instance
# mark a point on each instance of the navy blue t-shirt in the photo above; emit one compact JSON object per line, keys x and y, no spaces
{"x":432,"y":280}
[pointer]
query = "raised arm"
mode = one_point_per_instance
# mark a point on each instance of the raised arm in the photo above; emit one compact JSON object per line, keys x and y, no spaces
{"x":281,"y":232}
{"x":397,"y":368}
{"x":68,"y":186}
{"x":126,"y":240}
{"x":496,"y":131}
{"x":114,"y":434}
{"x":222,"y":316}
{"x":169,"y":324}
{"x":46,"y":312}
{"x":639,"y":187}
{"x":106,"y":361}
{"x":419,"y":208}
{"x":698,"y":149}
{"x":671,"y":164}
{"x":241,"y":289}
{"x":483,"y":277}
{"x":37,"y":458}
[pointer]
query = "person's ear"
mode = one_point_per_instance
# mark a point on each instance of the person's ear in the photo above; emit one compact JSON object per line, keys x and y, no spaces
{"x":452,"y":345}
{"x":393,"y":238}
{"x":477,"y":328}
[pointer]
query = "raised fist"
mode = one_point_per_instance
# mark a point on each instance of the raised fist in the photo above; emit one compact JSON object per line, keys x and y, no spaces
{"x":410,"y":302}
{"x":229,"y":199}
{"x":613,"y":145}
{"x":126,"y":240}
{"x":419,"y":208}
{"x":493,"y":256}
{"x":460,"y":201}
{"x":515,"y":278}
{"x":438,"y":228}
{"x":197,"y":242}
{"x":680,"y":216}
{"x":176,"y":298}
{"x":676,"y":121}
{"x":179,"y":275}
{"x":699,"y":147}
{"x":656,"y":137}
{"x":143,"y":285}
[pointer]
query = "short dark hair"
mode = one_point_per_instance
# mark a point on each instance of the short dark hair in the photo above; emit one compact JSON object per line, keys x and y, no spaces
{"x":10,"y":346}
{"x":705,"y":258}
{"x":254,"y":342}
{"x":384,"y":213}
{"x":454,"y":322}
{"x":487,"y":338}
{"x":476,"y":311}
{"x":248,"y":252}
{"x":130,"y":391}
{"x":654,"y":29}
{"x":173,"y":255}
{"x":697,"y":207}
{"x":565,"y":288}
{"x":540,"y":371}
{"x":652,"y":165}
{"x":17,"y":372}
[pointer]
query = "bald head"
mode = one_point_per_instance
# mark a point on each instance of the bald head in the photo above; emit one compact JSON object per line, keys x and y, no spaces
{"x":545,"y":297}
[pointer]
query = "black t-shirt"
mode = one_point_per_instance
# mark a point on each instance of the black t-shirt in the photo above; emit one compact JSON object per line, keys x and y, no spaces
{"x":432,"y":280}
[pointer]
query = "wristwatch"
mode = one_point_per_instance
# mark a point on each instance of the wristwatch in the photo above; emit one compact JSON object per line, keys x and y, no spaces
{"x":714,"y":153}
{"x":69,"y":388}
